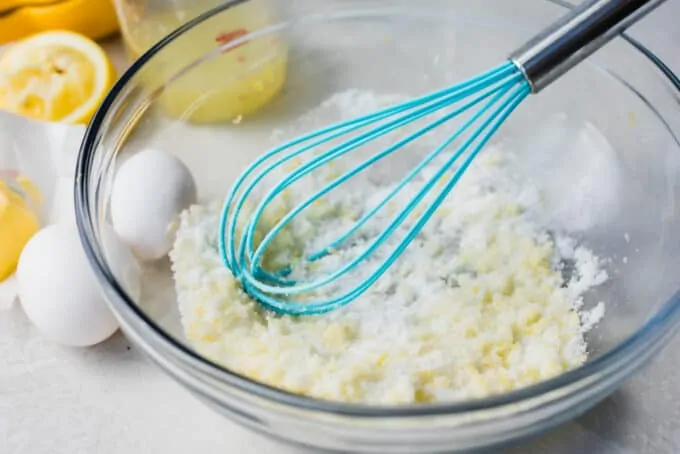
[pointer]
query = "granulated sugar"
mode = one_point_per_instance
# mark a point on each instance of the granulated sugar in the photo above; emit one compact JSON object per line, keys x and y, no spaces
{"x":479,"y":303}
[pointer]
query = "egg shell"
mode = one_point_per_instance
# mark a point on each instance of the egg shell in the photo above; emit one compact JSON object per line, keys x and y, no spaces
{"x":59,"y":291}
{"x":149,"y":192}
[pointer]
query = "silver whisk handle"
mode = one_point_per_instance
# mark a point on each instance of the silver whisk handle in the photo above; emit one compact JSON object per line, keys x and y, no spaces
{"x":574,"y":37}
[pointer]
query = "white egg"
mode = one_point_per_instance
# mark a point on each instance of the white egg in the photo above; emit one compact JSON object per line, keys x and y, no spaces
{"x":59,"y":291}
{"x":150,"y":190}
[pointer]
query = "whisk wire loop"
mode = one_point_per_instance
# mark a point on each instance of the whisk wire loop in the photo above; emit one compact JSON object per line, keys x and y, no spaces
{"x":258,"y":253}
{"x":227,"y":249}
{"x":264,"y":293}
{"x":403,"y":214}
{"x":505,"y":85}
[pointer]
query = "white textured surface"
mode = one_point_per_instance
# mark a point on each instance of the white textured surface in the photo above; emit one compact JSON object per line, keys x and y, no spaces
{"x":110,"y":400}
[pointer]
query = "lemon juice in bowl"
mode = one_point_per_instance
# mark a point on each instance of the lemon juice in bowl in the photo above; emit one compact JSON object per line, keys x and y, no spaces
{"x":236,"y":83}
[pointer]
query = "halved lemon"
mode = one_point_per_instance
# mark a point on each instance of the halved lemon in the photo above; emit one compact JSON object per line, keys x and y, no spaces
{"x":55,"y":76}
{"x":21,"y":18}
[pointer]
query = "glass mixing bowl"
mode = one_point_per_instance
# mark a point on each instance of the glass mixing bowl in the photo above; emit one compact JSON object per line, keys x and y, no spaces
{"x":620,"y":200}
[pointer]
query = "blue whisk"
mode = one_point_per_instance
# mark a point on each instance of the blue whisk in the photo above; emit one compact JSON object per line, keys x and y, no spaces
{"x":488,"y":99}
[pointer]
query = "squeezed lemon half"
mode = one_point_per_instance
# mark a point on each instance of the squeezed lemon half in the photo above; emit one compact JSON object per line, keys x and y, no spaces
{"x":55,"y":76}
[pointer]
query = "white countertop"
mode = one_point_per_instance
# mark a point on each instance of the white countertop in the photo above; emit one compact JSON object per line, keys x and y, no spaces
{"x":109,"y":399}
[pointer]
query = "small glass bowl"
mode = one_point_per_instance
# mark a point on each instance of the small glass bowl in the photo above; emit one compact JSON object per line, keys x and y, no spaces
{"x":623,"y":91}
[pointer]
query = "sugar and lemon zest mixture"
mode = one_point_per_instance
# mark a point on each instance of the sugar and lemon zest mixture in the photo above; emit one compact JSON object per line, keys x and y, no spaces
{"x":477,"y":305}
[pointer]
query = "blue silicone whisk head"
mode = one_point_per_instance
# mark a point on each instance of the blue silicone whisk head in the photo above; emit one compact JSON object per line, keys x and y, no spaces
{"x":480,"y":105}
{"x":488,"y":99}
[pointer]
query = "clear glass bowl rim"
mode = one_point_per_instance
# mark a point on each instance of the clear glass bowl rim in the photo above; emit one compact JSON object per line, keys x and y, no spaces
{"x":650,"y":337}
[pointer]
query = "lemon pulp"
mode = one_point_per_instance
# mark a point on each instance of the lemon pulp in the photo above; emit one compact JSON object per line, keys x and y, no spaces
{"x":55,"y":76}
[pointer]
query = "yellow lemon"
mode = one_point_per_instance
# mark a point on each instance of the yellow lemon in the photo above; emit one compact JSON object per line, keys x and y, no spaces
{"x":18,"y":223}
{"x":20,"y":18}
{"x":55,"y":76}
